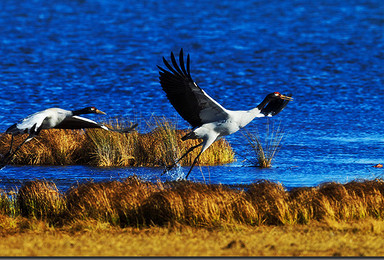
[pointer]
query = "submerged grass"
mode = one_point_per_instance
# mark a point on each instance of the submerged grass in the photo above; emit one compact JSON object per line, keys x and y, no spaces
{"x":159,"y":147}
{"x":133,"y":203}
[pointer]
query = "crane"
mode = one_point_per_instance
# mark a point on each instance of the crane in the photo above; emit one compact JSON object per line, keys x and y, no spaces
{"x":209,"y":120}
{"x":53,"y":118}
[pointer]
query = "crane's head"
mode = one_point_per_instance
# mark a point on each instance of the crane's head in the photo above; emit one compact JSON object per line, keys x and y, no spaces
{"x":92,"y":110}
{"x":277,"y":95}
{"x":273,"y":104}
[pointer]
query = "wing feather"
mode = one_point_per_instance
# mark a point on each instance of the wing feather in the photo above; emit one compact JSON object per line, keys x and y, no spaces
{"x":32,"y":121}
{"x":189,"y":100}
{"x":188,"y":67}
{"x":176,"y":66}
{"x":170,"y":67}
{"x":78,"y":122}
{"x":181,"y":59}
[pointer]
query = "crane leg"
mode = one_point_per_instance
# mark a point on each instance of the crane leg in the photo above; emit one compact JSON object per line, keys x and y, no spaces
{"x":10,"y":154}
{"x":10,"y":149}
{"x":34,"y":131}
{"x":193,"y":164}
{"x":187,"y":152}
{"x":206,"y":143}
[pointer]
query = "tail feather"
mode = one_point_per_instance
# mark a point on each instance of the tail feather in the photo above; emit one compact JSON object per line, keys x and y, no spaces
{"x":12,"y":129}
{"x":190,"y":135}
{"x":123,"y":130}
{"x":129,"y":129}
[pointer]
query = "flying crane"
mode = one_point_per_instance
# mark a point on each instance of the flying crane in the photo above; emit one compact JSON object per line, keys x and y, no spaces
{"x":53,"y":118}
{"x":209,"y":119}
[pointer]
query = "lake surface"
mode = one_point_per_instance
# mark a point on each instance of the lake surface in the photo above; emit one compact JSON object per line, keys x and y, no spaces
{"x":329,"y":54}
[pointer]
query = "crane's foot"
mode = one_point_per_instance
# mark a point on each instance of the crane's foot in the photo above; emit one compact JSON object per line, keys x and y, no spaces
{"x":168,"y":168}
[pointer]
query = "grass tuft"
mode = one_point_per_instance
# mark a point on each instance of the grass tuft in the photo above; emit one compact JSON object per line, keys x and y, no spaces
{"x":115,"y":202}
{"x":41,"y":200}
{"x":264,"y":154}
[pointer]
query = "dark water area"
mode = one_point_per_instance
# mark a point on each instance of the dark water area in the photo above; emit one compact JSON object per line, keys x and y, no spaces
{"x":328,"y":54}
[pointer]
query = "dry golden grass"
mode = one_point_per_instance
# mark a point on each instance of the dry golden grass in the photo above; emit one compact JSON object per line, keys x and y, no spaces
{"x":41,"y":200}
{"x":133,"y":202}
{"x":161,"y":146}
{"x":115,"y":202}
{"x":137,"y":218}
{"x":358,"y":238}
{"x":111,"y":148}
{"x":51,"y":147}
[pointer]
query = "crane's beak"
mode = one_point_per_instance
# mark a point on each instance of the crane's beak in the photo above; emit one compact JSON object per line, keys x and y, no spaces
{"x":100,"y":112}
{"x":286,"y":98}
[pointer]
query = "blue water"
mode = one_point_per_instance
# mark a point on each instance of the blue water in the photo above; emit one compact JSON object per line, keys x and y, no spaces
{"x":329,"y":54}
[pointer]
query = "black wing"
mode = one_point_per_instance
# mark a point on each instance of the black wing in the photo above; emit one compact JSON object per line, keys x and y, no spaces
{"x":78,"y":122}
{"x":189,"y":100}
{"x":125,"y":130}
{"x":275,"y":106}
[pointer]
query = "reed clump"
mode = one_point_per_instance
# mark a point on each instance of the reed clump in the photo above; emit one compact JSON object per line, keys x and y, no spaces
{"x":115,"y":202}
{"x":133,"y":202}
{"x":264,"y":152}
{"x":41,"y":200}
{"x":51,"y":147}
{"x":271,"y":201}
{"x":193,"y":204}
{"x":160,"y":146}
{"x":7,"y":203}
{"x":111,"y":148}
{"x":97,"y":147}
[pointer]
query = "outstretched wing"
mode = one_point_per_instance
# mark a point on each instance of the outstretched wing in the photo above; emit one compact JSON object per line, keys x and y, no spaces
{"x":78,"y":122}
{"x":275,"y":106}
{"x":189,"y":100}
{"x":31,"y":124}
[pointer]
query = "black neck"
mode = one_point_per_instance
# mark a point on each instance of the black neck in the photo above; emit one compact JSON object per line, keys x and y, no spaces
{"x":80,"y":112}
{"x":264,"y":102}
